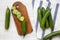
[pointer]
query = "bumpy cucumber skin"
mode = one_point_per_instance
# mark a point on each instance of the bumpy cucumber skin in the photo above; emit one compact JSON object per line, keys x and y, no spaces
{"x":46,"y":23}
{"x":52,"y":35}
{"x":7,"y":19}
{"x":51,"y":23}
{"x":43,"y":14}
{"x":23,"y":27}
{"x":45,"y":17}
{"x":21,"y":18}
{"x":40,"y":17}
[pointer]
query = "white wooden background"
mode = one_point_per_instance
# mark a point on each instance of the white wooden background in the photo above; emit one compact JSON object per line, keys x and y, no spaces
{"x":11,"y":34}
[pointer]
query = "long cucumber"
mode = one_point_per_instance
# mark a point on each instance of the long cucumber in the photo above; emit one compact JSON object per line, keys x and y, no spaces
{"x":44,"y":12}
{"x":45,"y":17}
{"x":7,"y":19}
{"x":40,"y":17}
{"x":52,"y":35}
{"x":51,"y":23}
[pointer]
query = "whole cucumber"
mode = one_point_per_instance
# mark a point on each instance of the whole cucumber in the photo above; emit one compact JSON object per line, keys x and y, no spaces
{"x":46,"y":22}
{"x":40,"y":16}
{"x":45,"y":17}
{"x":7,"y":19}
{"x":52,"y":35}
{"x":51,"y":23}
{"x":50,"y":20}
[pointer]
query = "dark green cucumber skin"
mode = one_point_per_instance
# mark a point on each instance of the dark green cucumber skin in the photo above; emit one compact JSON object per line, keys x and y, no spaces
{"x":44,"y":12}
{"x":51,"y":23}
{"x":7,"y":19}
{"x":24,"y":27}
{"x":53,"y":34}
{"x":45,"y":17}
{"x":42,"y":20}
{"x":40,"y":16}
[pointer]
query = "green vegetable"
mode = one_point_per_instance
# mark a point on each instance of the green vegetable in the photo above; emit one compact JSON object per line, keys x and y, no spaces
{"x":51,"y":23}
{"x":24,"y":27}
{"x":45,"y":17}
{"x":46,"y":22}
{"x":13,"y":7}
{"x":7,"y":19}
{"x":40,"y":17}
{"x":21,"y":18}
{"x":43,"y":14}
{"x":52,"y":35}
{"x":18,"y":14}
{"x":42,"y":20}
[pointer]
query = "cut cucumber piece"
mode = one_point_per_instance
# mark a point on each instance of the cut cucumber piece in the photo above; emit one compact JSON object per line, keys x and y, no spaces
{"x":21,"y":18}
{"x":13,"y":8}
{"x":18,"y":14}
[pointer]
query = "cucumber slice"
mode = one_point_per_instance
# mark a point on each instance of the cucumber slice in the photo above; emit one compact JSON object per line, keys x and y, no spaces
{"x":18,"y":14}
{"x":13,"y":8}
{"x":21,"y":18}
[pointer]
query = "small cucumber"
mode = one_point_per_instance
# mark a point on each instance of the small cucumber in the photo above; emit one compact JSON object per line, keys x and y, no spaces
{"x":40,"y":16}
{"x":45,"y":17}
{"x":52,"y":35}
{"x":7,"y":19}
{"x":51,"y":23}
{"x":46,"y":23}
{"x":21,"y":18}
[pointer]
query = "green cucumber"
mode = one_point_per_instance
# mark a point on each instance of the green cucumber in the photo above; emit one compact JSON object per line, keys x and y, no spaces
{"x":16,"y":12}
{"x":51,"y":23}
{"x":53,"y":34}
{"x":40,"y":17}
{"x":45,"y":17}
{"x":7,"y":19}
{"x":24,"y":27}
{"x":44,"y":12}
